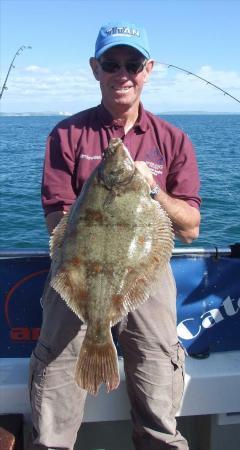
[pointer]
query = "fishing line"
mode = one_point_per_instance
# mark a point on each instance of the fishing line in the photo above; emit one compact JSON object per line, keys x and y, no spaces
{"x":200,"y":78}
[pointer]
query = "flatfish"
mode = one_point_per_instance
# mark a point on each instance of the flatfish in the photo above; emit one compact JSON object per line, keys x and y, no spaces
{"x":106,"y":253}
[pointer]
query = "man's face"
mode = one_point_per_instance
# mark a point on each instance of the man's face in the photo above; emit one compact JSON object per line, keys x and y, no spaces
{"x":121,"y":89}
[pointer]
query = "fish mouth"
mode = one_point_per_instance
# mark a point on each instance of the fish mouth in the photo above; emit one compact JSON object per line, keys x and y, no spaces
{"x":117,"y":167}
{"x":113,"y":146}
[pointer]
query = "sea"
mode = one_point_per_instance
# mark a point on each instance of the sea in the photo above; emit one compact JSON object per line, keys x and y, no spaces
{"x":216,"y":138}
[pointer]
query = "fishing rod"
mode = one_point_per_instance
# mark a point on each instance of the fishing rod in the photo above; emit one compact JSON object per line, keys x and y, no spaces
{"x":202,"y":79}
{"x":4,"y":87}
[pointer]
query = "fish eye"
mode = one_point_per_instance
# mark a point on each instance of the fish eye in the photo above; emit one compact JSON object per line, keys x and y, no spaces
{"x":117,"y":171}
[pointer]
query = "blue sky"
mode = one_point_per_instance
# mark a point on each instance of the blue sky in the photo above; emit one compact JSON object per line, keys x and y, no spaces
{"x":202,"y":36}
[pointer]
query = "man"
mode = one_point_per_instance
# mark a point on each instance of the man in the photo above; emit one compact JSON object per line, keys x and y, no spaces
{"x":153,"y":357}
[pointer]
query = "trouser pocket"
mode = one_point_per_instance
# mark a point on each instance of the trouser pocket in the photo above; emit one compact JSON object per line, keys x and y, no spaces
{"x":36,"y":379}
{"x":178,"y":368}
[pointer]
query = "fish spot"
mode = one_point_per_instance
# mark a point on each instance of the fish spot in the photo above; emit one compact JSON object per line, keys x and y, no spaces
{"x":76,"y":261}
{"x":141,"y":240}
{"x":122,"y":226}
{"x":82,"y":294}
{"x":98,"y":329}
{"x":141,"y":281}
{"x":94,"y":215}
{"x":117,"y":302}
{"x":117,"y":298}
{"x":95,"y":267}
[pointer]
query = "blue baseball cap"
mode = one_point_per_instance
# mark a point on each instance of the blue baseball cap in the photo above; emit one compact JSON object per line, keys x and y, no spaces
{"x":122,"y":33}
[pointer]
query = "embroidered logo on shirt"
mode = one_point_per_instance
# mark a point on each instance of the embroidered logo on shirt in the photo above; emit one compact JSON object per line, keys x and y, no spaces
{"x":83,"y":156}
{"x":155,"y":161}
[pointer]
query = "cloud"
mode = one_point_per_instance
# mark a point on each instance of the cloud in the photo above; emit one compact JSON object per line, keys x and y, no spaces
{"x":176,"y":89}
{"x":230,"y":80}
{"x":36,"y":69}
{"x":46,"y":83}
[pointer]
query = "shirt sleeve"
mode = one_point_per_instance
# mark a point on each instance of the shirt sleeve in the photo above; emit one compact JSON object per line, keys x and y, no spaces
{"x":183,"y":177}
{"x":58,"y":191}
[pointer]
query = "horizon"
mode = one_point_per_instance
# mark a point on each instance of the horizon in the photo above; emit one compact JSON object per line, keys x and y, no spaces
{"x":67,"y":114}
{"x":54,"y":74}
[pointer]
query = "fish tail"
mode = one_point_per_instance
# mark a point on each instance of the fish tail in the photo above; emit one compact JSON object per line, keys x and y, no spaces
{"x":96,"y":364}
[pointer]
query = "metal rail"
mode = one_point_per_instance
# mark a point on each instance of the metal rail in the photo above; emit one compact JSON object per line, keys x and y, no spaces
{"x":181,"y":251}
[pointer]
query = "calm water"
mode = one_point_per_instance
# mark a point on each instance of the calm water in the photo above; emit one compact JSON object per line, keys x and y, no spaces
{"x":217,"y":142}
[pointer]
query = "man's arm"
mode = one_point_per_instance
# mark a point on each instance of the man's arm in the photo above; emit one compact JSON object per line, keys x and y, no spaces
{"x":185,"y":218}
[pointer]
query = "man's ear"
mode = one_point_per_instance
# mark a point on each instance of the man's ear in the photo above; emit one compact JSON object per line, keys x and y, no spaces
{"x":149,"y":68}
{"x":95,"y":67}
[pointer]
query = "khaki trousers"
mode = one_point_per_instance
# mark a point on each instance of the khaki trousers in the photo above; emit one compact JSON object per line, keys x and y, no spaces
{"x":154,"y":369}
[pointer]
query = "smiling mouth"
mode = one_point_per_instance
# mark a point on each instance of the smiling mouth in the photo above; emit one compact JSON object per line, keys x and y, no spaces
{"x":121,"y":89}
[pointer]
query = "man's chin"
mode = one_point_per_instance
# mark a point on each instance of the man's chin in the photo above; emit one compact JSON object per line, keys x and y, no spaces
{"x":123,"y":100}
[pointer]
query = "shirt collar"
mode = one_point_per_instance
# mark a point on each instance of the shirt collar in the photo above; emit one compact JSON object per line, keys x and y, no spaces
{"x":107,"y":120}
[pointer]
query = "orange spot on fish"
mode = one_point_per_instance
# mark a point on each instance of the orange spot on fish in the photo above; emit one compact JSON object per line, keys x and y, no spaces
{"x":93,"y":215}
{"x":95,"y":267}
{"x":117,"y":298}
{"x":82,"y":294}
{"x":121,"y":227}
{"x":117,"y":302}
{"x":75,"y":261}
{"x":141,"y":240}
{"x":156,"y":258}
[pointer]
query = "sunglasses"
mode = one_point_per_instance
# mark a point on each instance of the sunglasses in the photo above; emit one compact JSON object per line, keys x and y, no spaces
{"x":132,"y":67}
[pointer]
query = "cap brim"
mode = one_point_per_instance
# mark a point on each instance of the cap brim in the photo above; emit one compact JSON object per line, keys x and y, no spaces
{"x":116,"y":44}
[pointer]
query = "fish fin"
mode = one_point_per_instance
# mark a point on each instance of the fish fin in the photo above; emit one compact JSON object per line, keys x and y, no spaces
{"x":136,"y":296}
{"x":57,"y":236}
{"x":136,"y":293}
{"x":96,"y":364}
{"x":74,"y":295}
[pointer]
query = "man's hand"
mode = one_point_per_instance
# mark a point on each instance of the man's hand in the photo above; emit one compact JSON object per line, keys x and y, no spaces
{"x":185,"y":218}
{"x":146,"y":172}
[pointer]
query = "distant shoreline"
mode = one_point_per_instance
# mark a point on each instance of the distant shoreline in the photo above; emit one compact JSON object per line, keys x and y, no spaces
{"x":163,"y":113}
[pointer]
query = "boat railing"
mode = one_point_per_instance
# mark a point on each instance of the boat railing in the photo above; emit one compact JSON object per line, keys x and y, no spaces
{"x":231,"y":251}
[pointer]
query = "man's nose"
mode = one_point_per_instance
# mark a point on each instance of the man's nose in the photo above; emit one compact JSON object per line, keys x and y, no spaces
{"x":122,"y":70}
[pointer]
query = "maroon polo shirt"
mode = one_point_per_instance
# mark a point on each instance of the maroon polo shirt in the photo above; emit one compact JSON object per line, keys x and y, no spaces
{"x":75,"y":147}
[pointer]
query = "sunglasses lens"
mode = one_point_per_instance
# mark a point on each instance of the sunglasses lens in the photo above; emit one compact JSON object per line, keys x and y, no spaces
{"x":135,"y":67}
{"x":110,"y":66}
{"x":132,"y":67}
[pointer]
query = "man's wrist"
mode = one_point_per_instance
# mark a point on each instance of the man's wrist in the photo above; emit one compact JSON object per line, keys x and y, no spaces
{"x":155,"y":189}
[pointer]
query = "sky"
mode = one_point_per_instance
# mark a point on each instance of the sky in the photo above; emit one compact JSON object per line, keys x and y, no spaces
{"x":202,"y":36}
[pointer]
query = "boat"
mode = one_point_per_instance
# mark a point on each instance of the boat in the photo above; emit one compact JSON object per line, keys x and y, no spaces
{"x":208,"y":307}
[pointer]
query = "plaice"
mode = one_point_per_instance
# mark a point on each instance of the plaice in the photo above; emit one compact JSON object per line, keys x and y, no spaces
{"x":106,"y":254}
